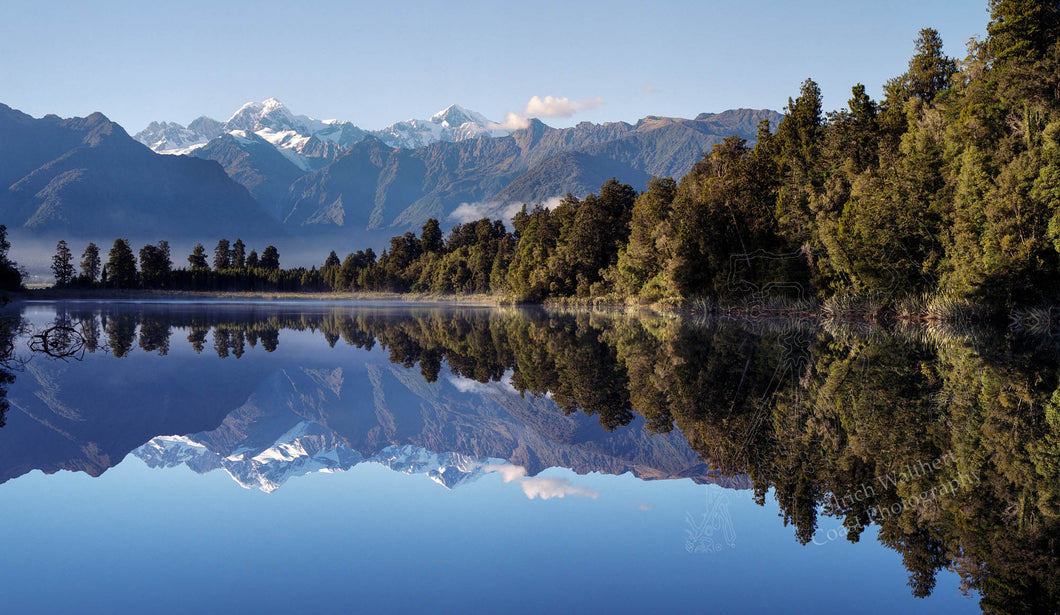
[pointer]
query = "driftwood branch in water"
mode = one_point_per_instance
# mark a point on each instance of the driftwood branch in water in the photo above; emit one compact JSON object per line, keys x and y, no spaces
{"x":60,"y":341}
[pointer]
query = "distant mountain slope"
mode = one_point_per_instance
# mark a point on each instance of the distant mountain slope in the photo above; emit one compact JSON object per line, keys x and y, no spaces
{"x":576,"y":173}
{"x":373,"y":186}
{"x":401,"y":188}
{"x":668,"y":147}
{"x":256,"y":164}
{"x":87,"y":177}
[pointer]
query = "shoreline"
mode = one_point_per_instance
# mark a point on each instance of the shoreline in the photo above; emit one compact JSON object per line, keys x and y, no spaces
{"x":235,"y":297}
{"x":918,"y":312}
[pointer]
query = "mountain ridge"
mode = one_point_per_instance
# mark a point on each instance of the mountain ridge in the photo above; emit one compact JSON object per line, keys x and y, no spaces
{"x":88,"y":175}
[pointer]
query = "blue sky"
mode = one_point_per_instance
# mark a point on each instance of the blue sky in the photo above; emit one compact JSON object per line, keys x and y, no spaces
{"x":377,"y":63}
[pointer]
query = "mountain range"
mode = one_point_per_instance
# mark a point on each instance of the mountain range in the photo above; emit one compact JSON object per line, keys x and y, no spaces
{"x":268,"y":172}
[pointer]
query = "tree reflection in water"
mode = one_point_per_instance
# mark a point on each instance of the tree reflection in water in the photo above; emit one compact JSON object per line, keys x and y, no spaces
{"x":870,"y":427}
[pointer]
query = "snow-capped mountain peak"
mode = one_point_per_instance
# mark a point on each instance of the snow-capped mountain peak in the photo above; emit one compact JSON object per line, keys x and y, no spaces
{"x":456,"y":116}
{"x":171,"y":138}
{"x":311,"y":143}
{"x":307,"y":448}
{"x":271,"y":114}
{"x":454,"y":123}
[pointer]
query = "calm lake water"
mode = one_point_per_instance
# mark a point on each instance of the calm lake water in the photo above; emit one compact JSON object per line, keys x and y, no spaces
{"x":301,"y":458}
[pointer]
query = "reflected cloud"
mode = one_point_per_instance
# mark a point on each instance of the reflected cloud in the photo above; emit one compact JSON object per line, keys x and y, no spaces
{"x":508,"y":472}
{"x":548,"y":488}
{"x":543,"y":487}
{"x":467,"y":385}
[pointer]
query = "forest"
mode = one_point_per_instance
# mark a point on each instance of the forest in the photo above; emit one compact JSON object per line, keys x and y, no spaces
{"x":944,"y":193}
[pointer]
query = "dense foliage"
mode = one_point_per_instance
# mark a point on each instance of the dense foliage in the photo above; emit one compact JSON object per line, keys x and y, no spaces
{"x":10,"y":274}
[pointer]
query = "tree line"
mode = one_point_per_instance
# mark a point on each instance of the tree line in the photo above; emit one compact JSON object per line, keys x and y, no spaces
{"x":472,"y":259}
{"x":232,"y":268}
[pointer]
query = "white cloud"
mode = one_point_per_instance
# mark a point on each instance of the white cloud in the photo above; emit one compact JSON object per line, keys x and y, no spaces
{"x":550,"y":106}
{"x":494,"y":210}
{"x":497,"y":210}
{"x":551,"y":202}
{"x":650,"y":89}
{"x":512,"y":121}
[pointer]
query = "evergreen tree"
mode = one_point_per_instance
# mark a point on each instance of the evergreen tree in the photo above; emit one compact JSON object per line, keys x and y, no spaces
{"x":798,"y":141}
{"x":270,"y":258}
{"x":91,"y":264}
{"x":121,"y":266}
{"x":239,"y":255}
{"x":222,"y":256}
{"x":197,"y":259}
{"x":1021,"y":31}
{"x":10,"y":273}
{"x":930,"y":71}
{"x":332,"y":272}
{"x":644,"y":258}
{"x":62,"y":265}
{"x":155,"y":265}
{"x":252,"y":260}
{"x":431,"y":236}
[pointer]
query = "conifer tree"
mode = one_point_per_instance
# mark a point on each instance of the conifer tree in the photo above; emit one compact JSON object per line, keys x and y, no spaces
{"x":90,"y":263}
{"x":222,"y":256}
{"x":239,"y":255}
{"x":270,"y":258}
{"x":121,"y":266}
{"x":197,"y":259}
{"x":63,"y":265}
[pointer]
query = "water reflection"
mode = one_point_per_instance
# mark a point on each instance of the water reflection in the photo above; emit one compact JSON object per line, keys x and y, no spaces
{"x":949,"y":443}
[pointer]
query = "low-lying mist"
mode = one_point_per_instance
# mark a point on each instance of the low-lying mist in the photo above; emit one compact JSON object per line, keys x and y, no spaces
{"x":34,"y":253}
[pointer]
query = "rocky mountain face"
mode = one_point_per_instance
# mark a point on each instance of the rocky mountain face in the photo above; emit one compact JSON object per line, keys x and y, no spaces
{"x":87,"y":177}
{"x":256,"y":164}
{"x":375,"y":187}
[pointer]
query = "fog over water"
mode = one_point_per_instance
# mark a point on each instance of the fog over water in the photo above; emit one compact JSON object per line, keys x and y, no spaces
{"x":35,"y":254}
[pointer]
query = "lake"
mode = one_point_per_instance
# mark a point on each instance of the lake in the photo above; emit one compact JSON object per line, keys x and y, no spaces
{"x":301,"y":457}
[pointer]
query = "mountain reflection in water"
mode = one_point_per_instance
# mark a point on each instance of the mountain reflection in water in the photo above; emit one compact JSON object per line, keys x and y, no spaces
{"x":949,"y":442}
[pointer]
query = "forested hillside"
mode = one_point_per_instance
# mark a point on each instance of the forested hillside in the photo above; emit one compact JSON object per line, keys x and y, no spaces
{"x":951,"y":183}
